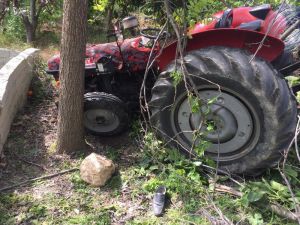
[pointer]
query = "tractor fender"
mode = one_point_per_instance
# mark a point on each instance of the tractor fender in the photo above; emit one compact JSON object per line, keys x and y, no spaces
{"x":228,"y":37}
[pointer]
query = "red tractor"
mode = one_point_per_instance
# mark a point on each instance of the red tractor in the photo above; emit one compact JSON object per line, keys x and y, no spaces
{"x":239,"y":60}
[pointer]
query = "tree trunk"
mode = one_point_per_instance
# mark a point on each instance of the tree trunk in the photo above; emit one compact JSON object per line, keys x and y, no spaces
{"x":3,"y":6}
{"x":33,"y":17}
{"x":109,"y":15}
{"x":30,"y":34}
{"x":30,"y":24}
{"x":70,"y":117}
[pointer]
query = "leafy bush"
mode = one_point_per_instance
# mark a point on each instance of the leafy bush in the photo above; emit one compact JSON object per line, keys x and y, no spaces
{"x":13,"y":27}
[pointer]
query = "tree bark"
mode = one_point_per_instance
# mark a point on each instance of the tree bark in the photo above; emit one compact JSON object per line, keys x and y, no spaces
{"x":30,"y":33}
{"x":30,"y":22}
{"x":70,"y":117}
{"x":3,"y":6}
{"x":109,"y":15}
{"x":33,"y":17}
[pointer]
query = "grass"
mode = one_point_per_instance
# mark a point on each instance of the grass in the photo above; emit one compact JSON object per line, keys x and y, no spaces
{"x":127,"y":195}
{"x":12,"y":43}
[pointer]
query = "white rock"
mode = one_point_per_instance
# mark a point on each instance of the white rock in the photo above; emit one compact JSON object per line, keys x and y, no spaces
{"x":96,"y":169}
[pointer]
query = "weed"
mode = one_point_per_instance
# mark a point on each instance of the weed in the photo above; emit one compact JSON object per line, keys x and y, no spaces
{"x":115,"y":183}
{"x":113,"y":154}
{"x":177,"y":77}
{"x":52,"y":148}
{"x":255,"y":219}
{"x":79,"y":185}
{"x":10,"y":42}
{"x":37,"y":211}
{"x":293,"y":80}
{"x":101,"y":219}
{"x":42,"y":84}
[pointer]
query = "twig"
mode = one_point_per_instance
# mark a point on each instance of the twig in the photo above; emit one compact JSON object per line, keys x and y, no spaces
{"x":224,"y":218}
{"x":30,"y":163}
{"x":274,"y":207}
{"x":226,"y":189}
{"x":285,"y":156}
{"x":296,"y":138}
{"x":204,"y":213}
{"x":38,"y":178}
{"x":268,"y":31}
{"x":143,"y":94}
{"x":283,"y":212}
{"x":212,"y":169}
{"x":291,"y":192}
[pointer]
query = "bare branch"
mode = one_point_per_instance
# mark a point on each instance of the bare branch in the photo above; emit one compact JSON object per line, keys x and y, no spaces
{"x":38,"y":178}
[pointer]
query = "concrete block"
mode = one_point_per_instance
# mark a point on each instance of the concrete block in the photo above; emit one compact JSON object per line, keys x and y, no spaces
{"x":15,"y":78}
{"x":6,"y":55}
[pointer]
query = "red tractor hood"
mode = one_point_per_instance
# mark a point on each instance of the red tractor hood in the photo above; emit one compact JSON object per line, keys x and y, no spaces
{"x":135,"y":55}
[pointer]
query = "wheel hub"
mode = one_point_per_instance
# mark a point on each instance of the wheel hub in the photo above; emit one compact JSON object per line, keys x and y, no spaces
{"x":222,"y":121}
{"x":101,"y":120}
{"x":228,"y":122}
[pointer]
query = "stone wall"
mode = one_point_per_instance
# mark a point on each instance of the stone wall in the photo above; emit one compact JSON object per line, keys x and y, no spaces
{"x":6,"y":55}
{"x":15,"y":78}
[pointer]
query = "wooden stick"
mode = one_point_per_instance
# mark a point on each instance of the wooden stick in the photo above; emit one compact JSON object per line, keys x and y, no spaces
{"x":38,"y":178}
{"x":283,"y":212}
{"x":226,"y":189}
{"x":29,"y":162}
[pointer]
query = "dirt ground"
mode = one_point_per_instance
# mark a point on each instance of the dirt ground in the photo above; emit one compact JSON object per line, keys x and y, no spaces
{"x":30,"y":153}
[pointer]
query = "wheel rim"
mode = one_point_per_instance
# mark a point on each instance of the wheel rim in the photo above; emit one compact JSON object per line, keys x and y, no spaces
{"x":101,"y":120}
{"x":236,"y":125}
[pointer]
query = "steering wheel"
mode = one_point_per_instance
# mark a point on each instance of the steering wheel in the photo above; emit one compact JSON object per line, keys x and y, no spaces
{"x":226,"y":19}
{"x":151,"y":33}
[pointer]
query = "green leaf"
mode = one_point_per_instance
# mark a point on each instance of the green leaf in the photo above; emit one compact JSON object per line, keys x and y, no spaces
{"x":154,"y":167}
{"x":212,"y":100}
{"x":180,"y":172}
{"x":254,"y":196}
{"x":177,"y":77}
{"x":210,"y":127}
{"x":195,"y":103}
{"x":291,"y":172}
{"x":256,"y":219}
{"x":277,"y":186}
{"x":197,"y":163}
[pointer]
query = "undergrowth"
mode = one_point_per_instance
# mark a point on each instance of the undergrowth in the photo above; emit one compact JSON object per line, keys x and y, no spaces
{"x":42,"y":85}
{"x":12,"y":43}
{"x":194,"y":199}
{"x":192,"y":193}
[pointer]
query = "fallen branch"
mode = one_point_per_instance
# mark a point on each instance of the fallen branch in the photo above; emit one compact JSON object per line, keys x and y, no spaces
{"x":38,"y":178}
{"x":226,"y":189}
{"x":283,"y":212}
{"x":274,"y":207}
{"x":30,"y":163}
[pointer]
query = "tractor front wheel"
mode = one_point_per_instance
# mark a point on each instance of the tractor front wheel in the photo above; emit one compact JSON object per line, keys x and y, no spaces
{"x":104,"y":114}
{"x":251,"y":110}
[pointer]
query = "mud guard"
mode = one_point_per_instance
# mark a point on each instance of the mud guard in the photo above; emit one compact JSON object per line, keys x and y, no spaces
{"x":228,"y":37}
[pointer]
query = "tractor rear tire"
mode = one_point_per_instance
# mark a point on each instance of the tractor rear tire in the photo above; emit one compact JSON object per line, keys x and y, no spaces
{"x":256,"y":109}
{"x":104,"y":114}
